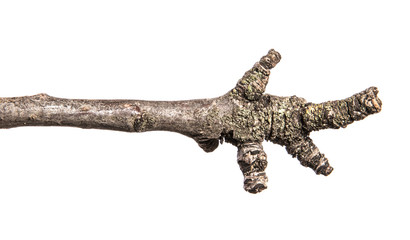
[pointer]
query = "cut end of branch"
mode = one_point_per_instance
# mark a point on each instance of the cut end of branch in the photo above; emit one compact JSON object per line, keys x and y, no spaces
{"x":255,"y":182}
{"x":271,"y":59}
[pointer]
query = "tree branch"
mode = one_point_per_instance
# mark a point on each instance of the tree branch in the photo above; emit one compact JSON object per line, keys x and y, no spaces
{"x":253,"y":160}
{"x":244,"y":117}
{"x":252,"y":85}
{"x":309,"y":156}
{"x":340,"y":113}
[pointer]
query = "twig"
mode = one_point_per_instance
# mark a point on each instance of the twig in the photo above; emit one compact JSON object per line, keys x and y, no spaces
{"x":244,"y":117}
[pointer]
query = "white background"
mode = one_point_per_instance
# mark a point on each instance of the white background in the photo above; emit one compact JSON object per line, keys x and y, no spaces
{"x":68,"y":183}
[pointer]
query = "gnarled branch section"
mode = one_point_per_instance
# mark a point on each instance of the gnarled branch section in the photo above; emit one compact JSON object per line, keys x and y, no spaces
{"x":336,"y":114}
{"x":309,"y":156}
{"x":244,"y":117}
{"x":252,"y":85}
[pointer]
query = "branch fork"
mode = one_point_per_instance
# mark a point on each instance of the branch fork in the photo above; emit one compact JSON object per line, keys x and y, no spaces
{"x":244,"y":117}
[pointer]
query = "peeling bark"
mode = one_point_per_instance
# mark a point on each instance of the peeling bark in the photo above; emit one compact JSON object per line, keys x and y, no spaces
{"x":244,"y":117}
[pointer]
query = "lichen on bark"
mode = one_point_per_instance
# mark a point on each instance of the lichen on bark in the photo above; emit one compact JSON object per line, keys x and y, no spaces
{"x":244,"y":117}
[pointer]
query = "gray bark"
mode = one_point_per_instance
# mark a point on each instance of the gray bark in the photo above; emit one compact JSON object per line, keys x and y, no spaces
{"x":244,"y":117}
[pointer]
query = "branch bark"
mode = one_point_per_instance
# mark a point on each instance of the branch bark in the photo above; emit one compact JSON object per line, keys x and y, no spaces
{"x":244,"y":117}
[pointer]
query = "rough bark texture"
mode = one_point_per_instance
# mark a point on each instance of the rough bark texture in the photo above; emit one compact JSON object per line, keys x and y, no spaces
{"x":244,"y":117}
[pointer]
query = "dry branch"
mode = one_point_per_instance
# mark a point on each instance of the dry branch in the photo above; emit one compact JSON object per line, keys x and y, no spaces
{"x":244,"y":117}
